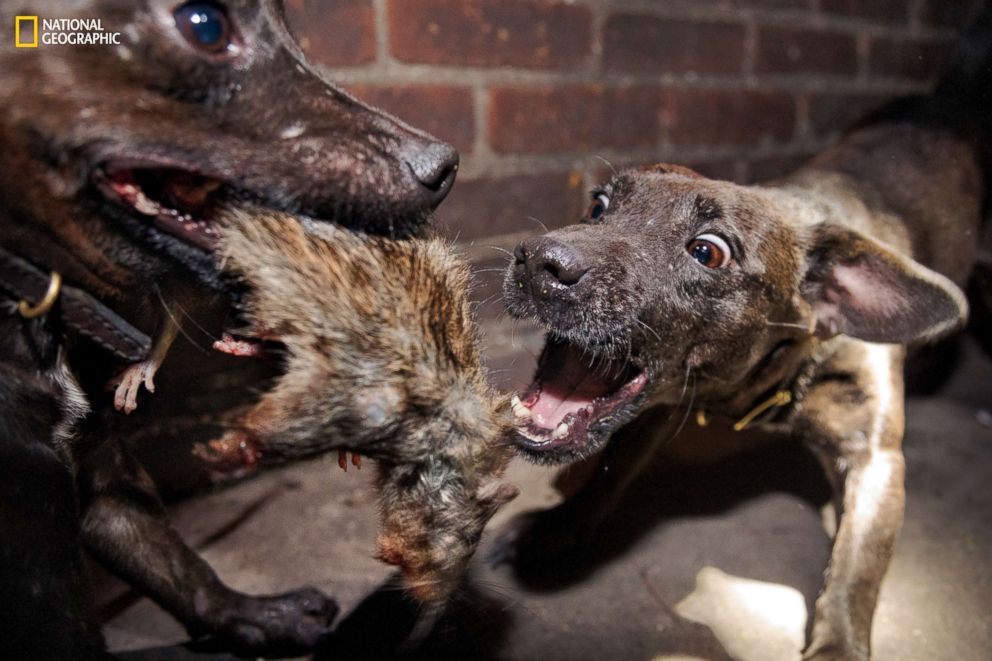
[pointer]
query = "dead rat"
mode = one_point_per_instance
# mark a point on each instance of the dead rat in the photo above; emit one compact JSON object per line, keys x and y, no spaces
{"x":381,"y":359}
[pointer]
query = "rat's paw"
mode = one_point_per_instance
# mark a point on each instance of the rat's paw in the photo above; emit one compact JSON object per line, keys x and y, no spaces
{"x":127,"y":384}
{"x":288,"y":622}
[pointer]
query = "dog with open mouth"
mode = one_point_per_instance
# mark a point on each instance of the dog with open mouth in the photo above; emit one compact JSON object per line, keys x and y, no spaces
{"x":114,"y":160}
{"x":786,"y":308}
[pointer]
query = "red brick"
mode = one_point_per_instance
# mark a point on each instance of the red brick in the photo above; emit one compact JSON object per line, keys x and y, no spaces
{"x":491,"y":206}
{"x":950,"y":13}
{"x":573,"y":118}
{"x":721,"y":169}
{"x":534,"y":34}
{"x":786,"y":50}
{"x":775,"y":167}
{"x":774,"y":4}
{"x":908,"y":58}
{"x":635,"y":43}
{"x":715,"y":117}
{"x":445,"y":112}
{"x":889,"y":11}
{"x":830,"y":113}
{"x":335,"y":33}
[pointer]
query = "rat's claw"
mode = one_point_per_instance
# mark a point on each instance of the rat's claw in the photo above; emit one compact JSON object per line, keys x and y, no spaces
{"x":128,"y":383}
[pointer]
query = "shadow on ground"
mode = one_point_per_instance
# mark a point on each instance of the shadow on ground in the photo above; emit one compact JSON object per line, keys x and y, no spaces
{"x":708,"y":561}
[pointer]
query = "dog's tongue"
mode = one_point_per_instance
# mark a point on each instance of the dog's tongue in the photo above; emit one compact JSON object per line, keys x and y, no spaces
{"x":570,"y":384}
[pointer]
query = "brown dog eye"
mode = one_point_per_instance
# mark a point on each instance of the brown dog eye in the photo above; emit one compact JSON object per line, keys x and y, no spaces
{"x":600,"y":203}
{"x":206,"y":26}
{"x":709,"y":250}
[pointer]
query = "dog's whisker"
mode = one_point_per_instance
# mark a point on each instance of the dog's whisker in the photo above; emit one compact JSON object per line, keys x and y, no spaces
{"x":786,"y":324}
{"x":648,"y":329}
{"x":503,"y":250}
{"x":539,"y":222}
{"x":178,"y":323}
{"x":196,"y":324}
{"x":608,"y":163}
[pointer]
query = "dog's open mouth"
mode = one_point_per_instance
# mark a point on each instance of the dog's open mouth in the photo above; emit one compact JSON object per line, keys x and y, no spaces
{"x":574,"y":398}
{"x":178,"y":202}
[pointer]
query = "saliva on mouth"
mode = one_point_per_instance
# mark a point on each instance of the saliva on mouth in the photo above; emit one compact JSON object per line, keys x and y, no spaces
{"x":178,"y":202}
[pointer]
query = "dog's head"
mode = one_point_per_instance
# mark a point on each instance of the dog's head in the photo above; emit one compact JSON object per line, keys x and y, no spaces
{"x":115,"y":156}
{"x":674,"y":281}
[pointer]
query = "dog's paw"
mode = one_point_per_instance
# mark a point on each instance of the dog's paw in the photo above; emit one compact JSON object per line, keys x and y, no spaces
{"x":833,"y":651}
{"x":289,"y":622}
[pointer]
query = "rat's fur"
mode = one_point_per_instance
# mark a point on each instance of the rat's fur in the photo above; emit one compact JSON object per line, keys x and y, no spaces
{"x":382,"y":359}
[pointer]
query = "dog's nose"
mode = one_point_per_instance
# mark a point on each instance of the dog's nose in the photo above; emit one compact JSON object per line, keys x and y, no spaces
{"x":435,"y":167}
{"x":548,"y":265}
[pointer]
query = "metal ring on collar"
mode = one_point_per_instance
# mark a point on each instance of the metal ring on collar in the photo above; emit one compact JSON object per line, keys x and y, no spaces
{"x":29,"y":311}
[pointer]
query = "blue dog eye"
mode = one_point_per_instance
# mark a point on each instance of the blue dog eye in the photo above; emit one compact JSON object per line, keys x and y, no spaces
{"x":205,"y":26}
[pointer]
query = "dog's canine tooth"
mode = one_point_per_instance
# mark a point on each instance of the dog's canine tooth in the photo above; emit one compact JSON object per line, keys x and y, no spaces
{"x":145,"y":205}
{"x":519,"y":409}
{"x":560,"y":431}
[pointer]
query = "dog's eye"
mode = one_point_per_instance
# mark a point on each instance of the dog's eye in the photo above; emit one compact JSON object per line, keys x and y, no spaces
{"x":205,"y":26}
{"x":600,"y":203}
{"x":709,"y":250}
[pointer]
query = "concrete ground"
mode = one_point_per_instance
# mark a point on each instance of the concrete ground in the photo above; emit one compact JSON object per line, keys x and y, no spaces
{"x":703,"y":561}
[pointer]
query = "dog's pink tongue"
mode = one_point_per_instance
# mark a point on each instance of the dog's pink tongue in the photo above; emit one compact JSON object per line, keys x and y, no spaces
{"x":569,"y":387}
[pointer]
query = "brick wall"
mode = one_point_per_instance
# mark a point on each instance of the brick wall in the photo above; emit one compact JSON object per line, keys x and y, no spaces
{"x":539,"y":95}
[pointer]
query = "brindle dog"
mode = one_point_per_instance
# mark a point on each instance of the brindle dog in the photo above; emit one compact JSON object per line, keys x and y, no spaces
{"x":785,"y":307}
{"x":113,"y":159}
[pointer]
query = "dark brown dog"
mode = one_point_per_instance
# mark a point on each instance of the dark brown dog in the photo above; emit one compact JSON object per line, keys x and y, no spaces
{"x":112,"y":161}
{"x":785,"y":307}
{"x":381,"y":359}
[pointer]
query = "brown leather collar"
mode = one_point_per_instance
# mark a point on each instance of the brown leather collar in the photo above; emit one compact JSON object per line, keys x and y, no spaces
{"x":77,"y":309}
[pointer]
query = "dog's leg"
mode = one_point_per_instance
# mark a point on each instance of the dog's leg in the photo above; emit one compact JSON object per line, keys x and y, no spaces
{"x":43,"y":606}
{"x":854,"y":419}
{"x":127,"y":384}
{"x":125,"y":527}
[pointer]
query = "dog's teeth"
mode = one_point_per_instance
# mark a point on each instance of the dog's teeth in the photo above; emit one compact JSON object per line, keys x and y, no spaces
{"x":519,"y":409}
{"x":560,"y":431}
{"x":144,"y":205}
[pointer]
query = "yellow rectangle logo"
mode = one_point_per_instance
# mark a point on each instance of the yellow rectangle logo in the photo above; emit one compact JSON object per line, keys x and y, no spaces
{"x":24,"y":27}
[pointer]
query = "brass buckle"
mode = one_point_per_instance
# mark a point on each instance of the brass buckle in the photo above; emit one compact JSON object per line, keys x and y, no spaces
{"x":29,"y":311}
{"x":780,"y":398}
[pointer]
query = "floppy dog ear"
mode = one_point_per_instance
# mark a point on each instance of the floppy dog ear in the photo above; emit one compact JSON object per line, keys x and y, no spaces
{"x":860,"y":288}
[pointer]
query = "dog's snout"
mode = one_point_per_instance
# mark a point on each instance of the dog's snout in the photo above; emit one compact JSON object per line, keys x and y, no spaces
{"x":434,"y":167}
{"x":549,"y":265}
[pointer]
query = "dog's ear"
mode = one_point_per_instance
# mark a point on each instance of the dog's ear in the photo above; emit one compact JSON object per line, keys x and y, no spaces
{"x":860,"y":288}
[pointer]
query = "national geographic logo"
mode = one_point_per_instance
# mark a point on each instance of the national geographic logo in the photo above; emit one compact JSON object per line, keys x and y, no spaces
{"x":62,"y":32}
{"x":26,"y":31}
